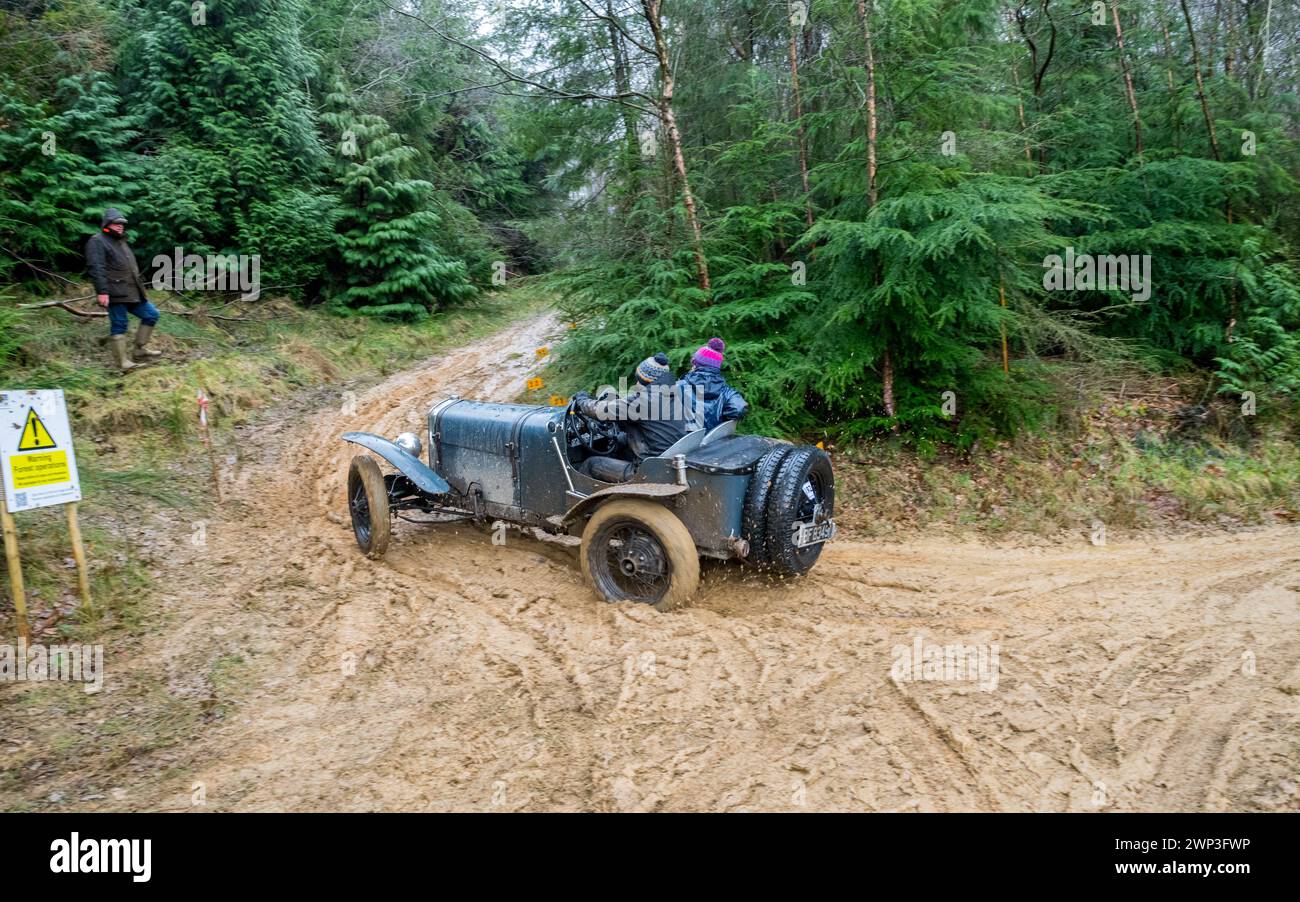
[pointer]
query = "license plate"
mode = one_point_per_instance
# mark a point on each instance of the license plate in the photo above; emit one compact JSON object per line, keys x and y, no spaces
{"x":814,"y":533}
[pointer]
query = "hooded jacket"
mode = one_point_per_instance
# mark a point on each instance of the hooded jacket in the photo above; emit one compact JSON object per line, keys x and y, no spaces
{"x":715,"y":400}
{"x":112,"y":266}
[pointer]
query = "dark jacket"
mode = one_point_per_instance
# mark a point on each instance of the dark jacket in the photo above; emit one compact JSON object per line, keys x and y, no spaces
{"x":113,"y":269}
{"x":715,"y":400}
{"x":652,"y":417}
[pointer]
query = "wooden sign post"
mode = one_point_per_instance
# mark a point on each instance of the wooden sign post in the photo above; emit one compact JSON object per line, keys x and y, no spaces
{"x":38,"y":468}
{"x":15,"y":571}
{"x":78,"y":553}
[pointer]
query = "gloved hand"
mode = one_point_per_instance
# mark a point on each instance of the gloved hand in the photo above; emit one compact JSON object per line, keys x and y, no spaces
{"x":581,"y":396}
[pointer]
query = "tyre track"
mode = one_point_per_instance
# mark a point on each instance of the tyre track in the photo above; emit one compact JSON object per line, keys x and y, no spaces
{"x":458,"y":674}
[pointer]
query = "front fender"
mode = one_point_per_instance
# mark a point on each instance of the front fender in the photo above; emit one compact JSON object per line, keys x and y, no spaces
{"x":414,"y":469}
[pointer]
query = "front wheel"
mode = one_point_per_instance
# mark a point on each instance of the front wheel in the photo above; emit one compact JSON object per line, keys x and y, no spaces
{"x":639,"y":551}
{"x":368,"y":505}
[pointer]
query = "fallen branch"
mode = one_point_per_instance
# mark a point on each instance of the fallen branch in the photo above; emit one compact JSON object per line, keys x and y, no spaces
{"x":87,"y":313}
{"x":32,"y":266}
{"x":57,"y":303}
{"x":66,"y":304}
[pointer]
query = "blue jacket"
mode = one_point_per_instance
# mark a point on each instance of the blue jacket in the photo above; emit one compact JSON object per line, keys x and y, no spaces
{"x":716,"y":401}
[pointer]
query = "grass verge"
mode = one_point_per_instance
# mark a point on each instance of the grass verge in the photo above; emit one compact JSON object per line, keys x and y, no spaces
{"x":137,"y":436}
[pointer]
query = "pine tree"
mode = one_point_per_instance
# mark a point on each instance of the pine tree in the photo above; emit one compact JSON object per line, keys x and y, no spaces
{"x":61,"y":163}
{"x":391,"y":266}
{"x":221,"y":89}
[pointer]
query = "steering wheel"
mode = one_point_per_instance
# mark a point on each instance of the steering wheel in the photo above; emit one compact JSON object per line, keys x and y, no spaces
{"x":598,"y":437}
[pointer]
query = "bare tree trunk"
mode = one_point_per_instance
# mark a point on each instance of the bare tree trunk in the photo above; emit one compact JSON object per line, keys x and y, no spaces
{"x":887,"y":359}
{"x":623,"y":85}
{"x":1002,"y":327}
{"x":1200,"y":82}
{"x":623,"y":81}
{"x":1128,"y":78}
{"x":1038,"y":72}
{"x":872,"y":195}
{"x":1169,"y":53}
{"x":1214,"y":141}
{"x":1263,"y":47}
{"x":651,"y":9}
{"x":1214,"y":39}
{"x":1230,"y":54}
{"x":798,"y":114}
{"x":1175,"y":120}
{"x":887,"y":382}
{"x":1020,"y":111}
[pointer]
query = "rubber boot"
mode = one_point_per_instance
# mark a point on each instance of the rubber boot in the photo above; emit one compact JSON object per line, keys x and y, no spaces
{"x":120,"y":355}
{"x":141,"y":339}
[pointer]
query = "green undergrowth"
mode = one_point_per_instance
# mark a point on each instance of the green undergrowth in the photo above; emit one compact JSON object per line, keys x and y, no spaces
{"x":139,"y":448}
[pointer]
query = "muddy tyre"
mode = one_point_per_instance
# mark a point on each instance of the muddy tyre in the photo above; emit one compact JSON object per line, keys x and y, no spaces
{"x":753,"y":518}
{"x":640,"y":551}
{"x":368,"y":506}
{"x":803,"y":482}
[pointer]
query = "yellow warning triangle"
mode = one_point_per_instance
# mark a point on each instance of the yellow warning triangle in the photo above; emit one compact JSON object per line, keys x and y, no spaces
{"x":35,"y":436}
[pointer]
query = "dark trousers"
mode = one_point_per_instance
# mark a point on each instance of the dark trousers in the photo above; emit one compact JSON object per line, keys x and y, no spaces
{"x":146,"y":312}
{"x":608,"y":469}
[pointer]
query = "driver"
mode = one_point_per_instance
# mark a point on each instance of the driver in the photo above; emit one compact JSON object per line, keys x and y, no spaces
{"x":653,"y":416}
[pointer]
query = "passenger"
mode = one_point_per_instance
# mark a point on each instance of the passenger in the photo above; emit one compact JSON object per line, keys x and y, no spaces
{"x":653,"y":416}
{"x":715,"y":400}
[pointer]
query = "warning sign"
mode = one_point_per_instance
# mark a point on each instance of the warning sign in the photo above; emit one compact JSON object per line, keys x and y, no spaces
{"x":37,"y":462}
{"x":35,"y":436}
{"x":33,"y":470}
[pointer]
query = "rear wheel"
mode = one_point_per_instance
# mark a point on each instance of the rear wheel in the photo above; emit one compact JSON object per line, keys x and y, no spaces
{"x":368,"y":506}
{"x":803,"y":491}
{"x":639,"y":551}
{"x":753,"y":525}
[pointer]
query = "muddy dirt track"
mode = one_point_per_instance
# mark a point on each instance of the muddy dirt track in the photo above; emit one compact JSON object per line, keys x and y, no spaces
{"x":1149,"y":675}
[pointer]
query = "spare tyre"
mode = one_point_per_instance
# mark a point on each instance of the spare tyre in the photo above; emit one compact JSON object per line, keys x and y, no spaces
{"x":753,"y":517}
{"x":802,"y":492}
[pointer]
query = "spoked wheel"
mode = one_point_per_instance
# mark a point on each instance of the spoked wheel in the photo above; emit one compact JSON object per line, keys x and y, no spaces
{"x":639,"y":551}
{"x":368,"y":506}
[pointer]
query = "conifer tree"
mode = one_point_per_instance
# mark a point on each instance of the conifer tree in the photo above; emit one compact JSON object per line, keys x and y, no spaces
{"x":61,"y":163}
{"x":390,"y":265}
{"x":222,"y":91}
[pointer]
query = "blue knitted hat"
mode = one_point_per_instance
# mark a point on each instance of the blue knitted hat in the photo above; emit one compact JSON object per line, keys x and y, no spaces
{"x":654,"y":371}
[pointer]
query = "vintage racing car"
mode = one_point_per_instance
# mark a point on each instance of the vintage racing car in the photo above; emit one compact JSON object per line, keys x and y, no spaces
{"x":714,"y":494}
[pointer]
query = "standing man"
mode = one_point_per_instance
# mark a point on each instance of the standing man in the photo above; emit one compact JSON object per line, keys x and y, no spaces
{"x":118,"y":287}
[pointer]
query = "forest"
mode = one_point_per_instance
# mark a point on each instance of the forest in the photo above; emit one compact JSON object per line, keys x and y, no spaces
{"x":1007,"y":520}
{"x":901,"y":215}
